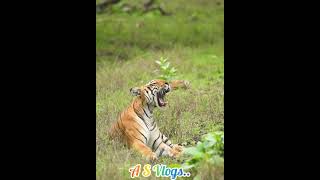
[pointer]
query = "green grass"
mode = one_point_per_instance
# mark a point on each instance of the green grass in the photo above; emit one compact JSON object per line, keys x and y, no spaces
{"x":127,"y":46}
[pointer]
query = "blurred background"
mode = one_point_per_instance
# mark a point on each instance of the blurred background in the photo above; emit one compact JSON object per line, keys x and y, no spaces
{"x":130,"y":37}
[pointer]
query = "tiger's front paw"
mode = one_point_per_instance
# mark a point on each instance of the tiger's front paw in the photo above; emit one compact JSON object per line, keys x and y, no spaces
{"x":177,"y":148}
{"x":152,"y":157}
{"x":176,"y":151}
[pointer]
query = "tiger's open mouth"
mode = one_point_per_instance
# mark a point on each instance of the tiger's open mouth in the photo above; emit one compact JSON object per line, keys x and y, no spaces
{"x":161,"y":100}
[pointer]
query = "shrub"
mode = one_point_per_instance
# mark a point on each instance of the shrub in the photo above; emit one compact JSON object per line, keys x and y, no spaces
{"x":166,"y":72}
{"x":206,"y":159}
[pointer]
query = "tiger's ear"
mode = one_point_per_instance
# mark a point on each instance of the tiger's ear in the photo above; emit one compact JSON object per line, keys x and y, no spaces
{"x":135,"y":91}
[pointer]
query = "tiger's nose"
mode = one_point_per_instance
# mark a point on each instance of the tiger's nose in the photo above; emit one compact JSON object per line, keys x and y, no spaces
{"x":167,"y":89}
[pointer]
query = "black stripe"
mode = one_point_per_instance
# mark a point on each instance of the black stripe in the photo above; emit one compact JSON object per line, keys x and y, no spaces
{"x":170,"y":144}
{"x":140,"y":116}
{"x":150,"y":90}
{"x":157,"y":147}
{"x":148,"y":95}
{"x":166,"y":140}
{"x":161,"y":151}
{"x":140,"y":125}
{"x":145,"y":113}
{"x":142,"y":135}
{"x":138,"y":139}
{"x":155,"y":141}
{"x":153,"y":127}
{"x":149,"y":109}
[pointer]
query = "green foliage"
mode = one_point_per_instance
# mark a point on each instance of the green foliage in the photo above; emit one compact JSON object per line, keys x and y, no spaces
{"x":127,"y":44}
{"x":166,"y":72}
{"x":124,"y":36}
{"x":208,"y":153}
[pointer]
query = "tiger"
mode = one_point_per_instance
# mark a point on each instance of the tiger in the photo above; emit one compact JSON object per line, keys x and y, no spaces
{"x":136,"y":127}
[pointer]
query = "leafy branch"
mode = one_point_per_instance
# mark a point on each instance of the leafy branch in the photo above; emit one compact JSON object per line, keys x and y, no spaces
{"x":166,"y":72}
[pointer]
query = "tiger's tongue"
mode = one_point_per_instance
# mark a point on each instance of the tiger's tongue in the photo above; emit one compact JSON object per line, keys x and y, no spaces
{"x":162,"y":102}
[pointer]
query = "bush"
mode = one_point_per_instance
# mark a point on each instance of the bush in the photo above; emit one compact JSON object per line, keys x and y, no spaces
{"x":206,"y":159}
{"x":166,"y":72}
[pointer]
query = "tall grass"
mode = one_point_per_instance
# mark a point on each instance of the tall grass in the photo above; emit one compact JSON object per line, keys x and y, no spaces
{"x":128,"y":45}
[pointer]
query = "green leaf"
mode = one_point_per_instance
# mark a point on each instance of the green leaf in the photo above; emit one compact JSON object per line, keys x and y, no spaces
{"x":189,"y":166}
{"x":195,"y":160}
{"x":208,"y":151}
{"x":158,"y":62}
{"x":173,"y":70}
{"x":163,"y":60}
{"x":167,"y":65}
{"x":200,"y":147}
{"x":211,"y":152}
{"x":191,"y":150}
{"x":209,"y":141}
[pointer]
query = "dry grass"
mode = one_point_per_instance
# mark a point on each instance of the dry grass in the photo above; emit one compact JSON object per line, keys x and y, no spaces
{"x":127,"y":46}
{"x":190,"y":114}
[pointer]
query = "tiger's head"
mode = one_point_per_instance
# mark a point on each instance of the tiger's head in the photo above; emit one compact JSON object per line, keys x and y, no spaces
{"x":153,"y":93}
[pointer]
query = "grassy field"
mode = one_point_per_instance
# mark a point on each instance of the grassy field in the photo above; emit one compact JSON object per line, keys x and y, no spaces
{"x":127,"y":46}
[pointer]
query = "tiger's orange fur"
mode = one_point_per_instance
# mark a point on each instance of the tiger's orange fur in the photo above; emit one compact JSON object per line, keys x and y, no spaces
{"x":130,"y":132}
